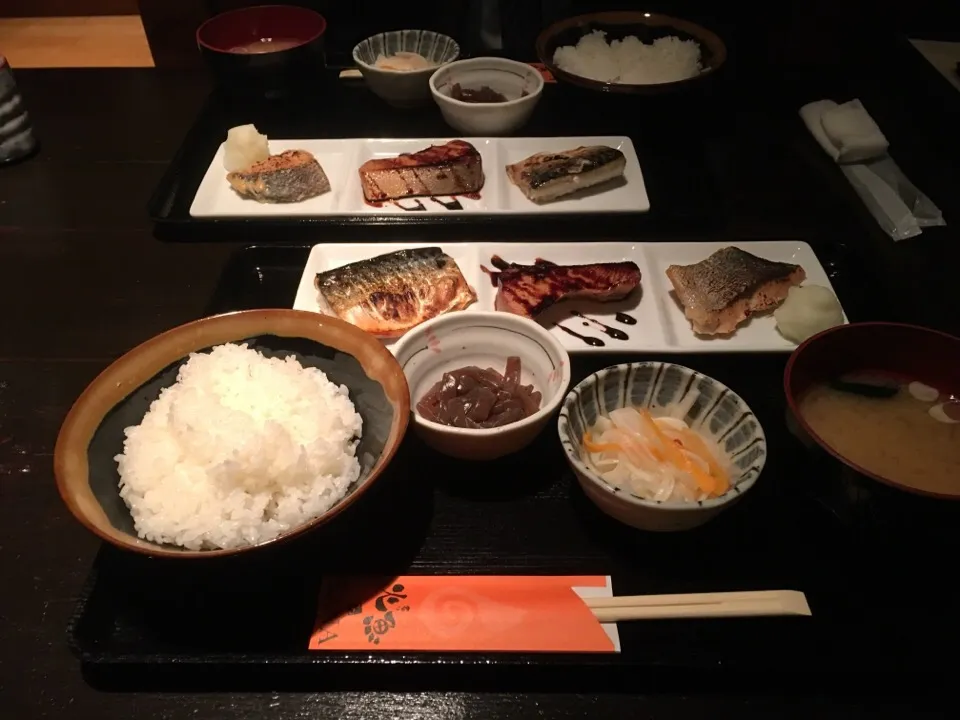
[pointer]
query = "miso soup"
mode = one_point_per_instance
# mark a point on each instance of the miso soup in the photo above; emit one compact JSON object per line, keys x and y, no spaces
{"x":265,"y":45}
{"x":911,"y":437}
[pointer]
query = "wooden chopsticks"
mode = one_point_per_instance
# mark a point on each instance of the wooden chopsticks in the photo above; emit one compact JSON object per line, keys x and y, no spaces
{"x":699,"y":605}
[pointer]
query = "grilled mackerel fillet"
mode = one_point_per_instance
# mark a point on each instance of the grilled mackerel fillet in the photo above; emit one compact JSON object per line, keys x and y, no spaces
{"x":389,"y":294}
{"x":528,"y":290}
{"x":454,"y":168}
{"x":547,"y":176}
{"x":289,"y":177}
{"x":721,"y":292}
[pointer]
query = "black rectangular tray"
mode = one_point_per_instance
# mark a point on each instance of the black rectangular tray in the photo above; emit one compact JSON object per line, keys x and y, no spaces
{"x":881,"y":607}
{"x":675,"y":156}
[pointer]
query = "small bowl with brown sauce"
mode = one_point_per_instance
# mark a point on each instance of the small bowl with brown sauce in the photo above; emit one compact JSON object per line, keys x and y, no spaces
{"x":486,"y":96}
{"x":482,"y":384}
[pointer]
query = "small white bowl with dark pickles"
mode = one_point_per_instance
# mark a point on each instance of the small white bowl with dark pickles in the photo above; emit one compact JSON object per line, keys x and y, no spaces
{"x":483,"y":385}
{"x":487,"y":95}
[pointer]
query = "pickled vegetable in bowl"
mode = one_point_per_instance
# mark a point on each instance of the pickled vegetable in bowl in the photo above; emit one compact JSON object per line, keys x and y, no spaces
{"x":475,"y":397}
{"x":482,"y":383}
{"x":660,"y":459}
{"x":660,"y":446}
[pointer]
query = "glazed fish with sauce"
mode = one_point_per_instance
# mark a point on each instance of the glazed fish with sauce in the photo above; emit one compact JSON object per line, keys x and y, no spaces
{"x":389,"y":294}
{"x":454,"y":168}
{"x":528,"y":290}
{"x":724,"y":290}
{"x":289,"y":177}
{"x":547,"y":176}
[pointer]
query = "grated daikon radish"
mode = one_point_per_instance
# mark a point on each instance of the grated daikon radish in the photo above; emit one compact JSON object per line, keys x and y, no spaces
{"x":244,"y":147}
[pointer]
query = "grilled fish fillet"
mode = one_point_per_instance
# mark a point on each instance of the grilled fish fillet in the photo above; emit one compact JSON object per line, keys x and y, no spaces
{"x":289,"y":177}
{"x":528,"y":290}
{"x":389,"y":294}
{"x":454,"y":168}
{"x":721,"y":292}
{"x":547,"y":176}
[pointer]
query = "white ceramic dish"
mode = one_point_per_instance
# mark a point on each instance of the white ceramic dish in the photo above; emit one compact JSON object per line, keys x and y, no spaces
{"x":714,"y":411}
{"x":403,"y":88}
{"x":520,"y":83}
{"x":660,"y":323}
{"x":341,"y":160}
{"x":484,"y":339}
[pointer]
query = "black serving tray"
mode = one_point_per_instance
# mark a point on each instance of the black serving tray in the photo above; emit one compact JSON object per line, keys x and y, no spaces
{"x":673,"y":138}
{"x":884,"y":608}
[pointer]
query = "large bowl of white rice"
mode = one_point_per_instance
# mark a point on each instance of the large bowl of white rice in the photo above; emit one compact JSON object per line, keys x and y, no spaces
{"x":630,"y":52}
{"x":231,"y":433}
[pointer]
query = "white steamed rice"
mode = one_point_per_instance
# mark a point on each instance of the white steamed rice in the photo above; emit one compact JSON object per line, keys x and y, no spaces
{"x":629,"y":61}
{"x":239,"y":450}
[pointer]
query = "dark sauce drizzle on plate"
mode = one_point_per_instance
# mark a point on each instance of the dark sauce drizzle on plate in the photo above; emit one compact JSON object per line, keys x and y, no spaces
{"x":419,"y":206}
{"x":591,"y":341}
{"x":607,"y":330}
{"x":453,"y":204}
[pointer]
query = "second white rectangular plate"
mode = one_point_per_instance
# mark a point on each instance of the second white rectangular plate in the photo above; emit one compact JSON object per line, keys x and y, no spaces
{"x":651,"y":318}
{"x":341,"y":160}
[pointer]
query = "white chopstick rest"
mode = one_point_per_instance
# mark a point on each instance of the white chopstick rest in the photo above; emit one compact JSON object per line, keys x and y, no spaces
{"x":763,"y":603}
{"x":846,"y":132}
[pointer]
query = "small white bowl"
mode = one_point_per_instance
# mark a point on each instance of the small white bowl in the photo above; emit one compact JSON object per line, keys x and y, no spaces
{"x":712,"y":409}
{"x":484,"y":339}
{"x":403,"y":88}
{"x":507,"y":77}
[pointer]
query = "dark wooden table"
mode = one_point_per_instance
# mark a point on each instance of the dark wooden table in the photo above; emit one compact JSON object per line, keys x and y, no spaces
{"x":84,"y":280}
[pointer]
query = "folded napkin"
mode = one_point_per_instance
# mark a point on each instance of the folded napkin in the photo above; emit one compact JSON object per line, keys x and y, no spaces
{"x":850,"y":136}
{"x":846,"y":132}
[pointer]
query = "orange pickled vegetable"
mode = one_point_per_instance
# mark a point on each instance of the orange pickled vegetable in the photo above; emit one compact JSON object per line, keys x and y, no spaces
{"x":593,"y":447}
{"x":704,"y":481}
{"x":695,"y":443}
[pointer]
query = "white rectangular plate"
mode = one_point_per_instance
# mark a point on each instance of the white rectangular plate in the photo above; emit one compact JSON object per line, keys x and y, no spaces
{"x":660,"y":322}
{"x":341,"y":160}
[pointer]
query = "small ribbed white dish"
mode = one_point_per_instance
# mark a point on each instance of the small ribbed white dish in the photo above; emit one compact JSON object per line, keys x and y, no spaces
{"x":709,"y":407}
{"x":403,"y":88}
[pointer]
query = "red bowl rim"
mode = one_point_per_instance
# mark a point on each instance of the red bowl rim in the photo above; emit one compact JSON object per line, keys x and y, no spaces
{"x":241,"y":11}
{"x":795,"y":407}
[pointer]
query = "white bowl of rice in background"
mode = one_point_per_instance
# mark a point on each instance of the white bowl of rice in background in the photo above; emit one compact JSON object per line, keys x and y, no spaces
{"x":231,"y":432}
{"x":629,"y":52}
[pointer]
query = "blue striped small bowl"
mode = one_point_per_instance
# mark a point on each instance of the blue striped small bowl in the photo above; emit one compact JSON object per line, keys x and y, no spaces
{"x":399,"y":88}
{"x":714,"y":411}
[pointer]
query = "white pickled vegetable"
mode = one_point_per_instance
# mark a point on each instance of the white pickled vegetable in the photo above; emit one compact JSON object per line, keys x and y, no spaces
{"x":808,"y":309}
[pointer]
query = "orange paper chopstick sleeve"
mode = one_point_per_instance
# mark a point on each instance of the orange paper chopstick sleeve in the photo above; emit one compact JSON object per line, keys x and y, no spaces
{"x":462,"y":614}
